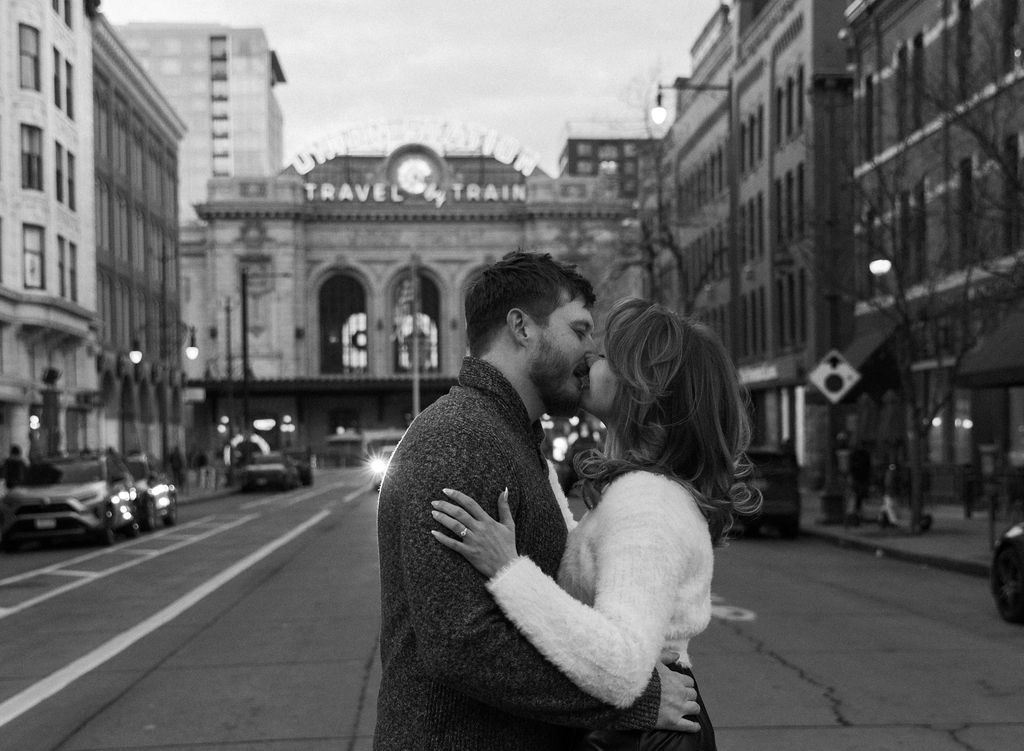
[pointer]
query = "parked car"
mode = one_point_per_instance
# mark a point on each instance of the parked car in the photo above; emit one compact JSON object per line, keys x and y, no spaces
{"x":1007,"y":574}
{"x":776,"y":476}
{"x":85,"y":496}
{"x":273,"y":470}
{"x":303,"y":461}
{"x":157,"y":496}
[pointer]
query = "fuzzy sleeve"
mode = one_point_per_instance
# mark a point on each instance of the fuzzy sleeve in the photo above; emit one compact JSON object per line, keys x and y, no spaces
{"x":644,"y":544}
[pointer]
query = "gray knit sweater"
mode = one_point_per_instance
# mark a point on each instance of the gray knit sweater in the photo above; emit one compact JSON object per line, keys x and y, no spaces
{"x":456,"y":673}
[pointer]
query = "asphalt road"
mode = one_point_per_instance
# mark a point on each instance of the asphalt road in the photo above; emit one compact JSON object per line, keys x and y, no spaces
{"x":253,"y":625}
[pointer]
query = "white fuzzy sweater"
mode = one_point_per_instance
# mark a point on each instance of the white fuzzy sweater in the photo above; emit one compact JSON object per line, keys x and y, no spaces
{"x":635,"y":577}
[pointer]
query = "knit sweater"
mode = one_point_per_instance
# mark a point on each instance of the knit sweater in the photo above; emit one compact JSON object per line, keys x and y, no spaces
{"x":456,"y":673}
{"x":636,"y":576}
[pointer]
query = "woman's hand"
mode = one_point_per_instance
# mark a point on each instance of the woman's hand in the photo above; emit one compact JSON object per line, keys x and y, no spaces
{"x":487,"y":544}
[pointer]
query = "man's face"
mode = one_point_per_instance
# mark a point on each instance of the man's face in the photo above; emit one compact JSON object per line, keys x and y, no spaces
{"x":558,"y":364}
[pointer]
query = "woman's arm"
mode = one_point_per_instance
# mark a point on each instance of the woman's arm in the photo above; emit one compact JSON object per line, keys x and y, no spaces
{"x":644,"y":543}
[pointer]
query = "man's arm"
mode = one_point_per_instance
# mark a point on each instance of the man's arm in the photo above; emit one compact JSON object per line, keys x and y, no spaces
{"x":462,"y":637}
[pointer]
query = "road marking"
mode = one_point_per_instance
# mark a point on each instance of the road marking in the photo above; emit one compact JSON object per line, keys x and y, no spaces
{"x":87,"y":577}
{"x":61,"y":679}
{"x":729,"y":612}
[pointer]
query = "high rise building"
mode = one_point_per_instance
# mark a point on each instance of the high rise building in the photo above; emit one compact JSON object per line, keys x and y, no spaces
{"x":221,"y":81}
{"x":47,"y":285}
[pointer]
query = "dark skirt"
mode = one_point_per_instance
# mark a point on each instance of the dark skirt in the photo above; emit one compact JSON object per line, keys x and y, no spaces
{"x":655,"y":740}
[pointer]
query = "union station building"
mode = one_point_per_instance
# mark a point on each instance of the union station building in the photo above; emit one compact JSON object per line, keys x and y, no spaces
{"x":358,"y":250}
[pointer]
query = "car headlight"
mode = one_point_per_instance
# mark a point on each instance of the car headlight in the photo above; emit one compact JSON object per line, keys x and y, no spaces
{"x":1015,"y":531}
{"x":378,"y":465}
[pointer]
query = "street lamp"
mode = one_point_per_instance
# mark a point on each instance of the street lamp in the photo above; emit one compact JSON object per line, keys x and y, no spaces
{"x":880,"y":266}
{"x":192,"y":350}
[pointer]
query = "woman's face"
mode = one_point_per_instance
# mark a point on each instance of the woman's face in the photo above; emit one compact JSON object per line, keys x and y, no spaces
{"x":599,"y":396}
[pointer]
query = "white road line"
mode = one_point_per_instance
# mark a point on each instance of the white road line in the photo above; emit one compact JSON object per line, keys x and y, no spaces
{"x":126,"y":547}
{"x":90,"y":577}
{"x":44,"y":689}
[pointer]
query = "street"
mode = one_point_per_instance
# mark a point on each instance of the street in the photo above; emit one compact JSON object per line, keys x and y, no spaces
{"x":253,"y":625}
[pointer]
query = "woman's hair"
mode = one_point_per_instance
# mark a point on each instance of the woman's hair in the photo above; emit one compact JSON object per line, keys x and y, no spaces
{"x":680,"y":412}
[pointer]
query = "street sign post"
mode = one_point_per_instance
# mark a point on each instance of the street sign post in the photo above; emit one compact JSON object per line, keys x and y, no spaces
{"x":834,"y":376}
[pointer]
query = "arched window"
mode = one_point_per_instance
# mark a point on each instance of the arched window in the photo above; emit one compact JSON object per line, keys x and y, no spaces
{"x":343,"y":336}
{"x":426,"y":301}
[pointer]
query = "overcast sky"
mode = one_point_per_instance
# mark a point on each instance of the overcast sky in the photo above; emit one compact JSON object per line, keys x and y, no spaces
{"x":523,"y":67}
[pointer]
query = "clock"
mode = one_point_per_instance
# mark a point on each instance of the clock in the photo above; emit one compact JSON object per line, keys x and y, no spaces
{"x":414,"y":172}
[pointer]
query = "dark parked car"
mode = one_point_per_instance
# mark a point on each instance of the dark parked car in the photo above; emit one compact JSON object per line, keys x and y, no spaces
{"x":1008,"y":574}
{"x":776,"y":475}
{"x":273,"y":470}
{"x":157,"y":496}
{"x":303,"y":461}
{"x":90,"y":496}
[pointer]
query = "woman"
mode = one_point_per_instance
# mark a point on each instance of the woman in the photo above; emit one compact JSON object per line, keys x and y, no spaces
{"x":636,"y":574}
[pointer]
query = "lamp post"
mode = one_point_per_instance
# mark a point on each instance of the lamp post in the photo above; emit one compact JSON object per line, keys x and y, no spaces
{"x":659,"y":114}
{"x":246,"y":275}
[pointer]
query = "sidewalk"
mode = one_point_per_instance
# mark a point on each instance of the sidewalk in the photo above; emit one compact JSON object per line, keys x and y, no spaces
{"x":953,"y":542}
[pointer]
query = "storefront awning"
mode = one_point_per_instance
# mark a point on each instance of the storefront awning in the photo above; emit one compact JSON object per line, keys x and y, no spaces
{"x":867,"y":341}
{"x":998,"y":360}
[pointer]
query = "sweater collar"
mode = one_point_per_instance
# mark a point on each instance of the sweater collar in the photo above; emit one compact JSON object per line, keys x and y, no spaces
{"x":484,"y":377}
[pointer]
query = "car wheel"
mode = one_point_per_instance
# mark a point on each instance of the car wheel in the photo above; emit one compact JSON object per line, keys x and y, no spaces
{"x":133,"y":530}
{"x":10,"y":546}
{"x":171,"y":516}
{"x":1008,"y":584}
{"x":149,"y":516}
{"x":106,"y":536}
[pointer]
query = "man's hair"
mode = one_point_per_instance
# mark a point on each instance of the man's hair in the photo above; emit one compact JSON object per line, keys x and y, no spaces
{"x":535,"y":282}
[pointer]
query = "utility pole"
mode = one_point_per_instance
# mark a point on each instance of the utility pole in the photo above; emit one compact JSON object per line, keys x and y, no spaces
{"x":246,"y":417}
{"x":414,"y":272}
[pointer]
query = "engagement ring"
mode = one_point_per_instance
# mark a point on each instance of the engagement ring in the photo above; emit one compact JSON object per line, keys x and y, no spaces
{"x":464,"y":531}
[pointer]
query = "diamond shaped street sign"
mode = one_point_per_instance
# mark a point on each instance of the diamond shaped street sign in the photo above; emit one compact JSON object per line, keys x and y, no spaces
{"x":834,"y":376}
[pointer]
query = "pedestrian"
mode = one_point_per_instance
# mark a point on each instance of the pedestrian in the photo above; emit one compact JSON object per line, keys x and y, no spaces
{"x":14,"y":467}
{"x":177,"y":464}
{"x":860,"y":477}
{"x":636,"y":575}
{"x":456,"y":674}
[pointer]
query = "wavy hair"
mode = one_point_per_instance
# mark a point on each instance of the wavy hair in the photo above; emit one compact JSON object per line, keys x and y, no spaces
{"x":680,"y":412}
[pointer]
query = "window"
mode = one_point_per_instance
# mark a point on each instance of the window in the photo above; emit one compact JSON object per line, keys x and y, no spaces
{"x":71,"y":181}
{"x":58,"y":90}
{"x":760,"y":132}
{"x":917,"y":84}
{"x":607,"y":151}
{"x":780,"y":101}
{"x":801,"y":227}
{"x":901,"y":92}
{"x":28,"y":41}
{"x":584,"y":149}
{"x":32,"y":243}
{"x":964,"y":47}
{"x":967,"y":218}
{"x":790,"y":106}
{"x":790,"y":208}
{"x":800,"y":94}
{"x":69,"y":89}
{"x":218,"y":48}
{"x":58,"y":182}
{"x":67,"y":12}
{"x":31,"y":157}
{"x":62,"y":261}
{"x":868,"y":117}
{"x":73,"y":271}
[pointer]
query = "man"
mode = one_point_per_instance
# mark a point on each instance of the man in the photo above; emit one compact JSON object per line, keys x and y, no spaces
{"x":456,"y":673}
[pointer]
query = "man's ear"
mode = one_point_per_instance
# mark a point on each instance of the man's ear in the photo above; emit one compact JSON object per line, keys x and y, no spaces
{"x":518,"y":322}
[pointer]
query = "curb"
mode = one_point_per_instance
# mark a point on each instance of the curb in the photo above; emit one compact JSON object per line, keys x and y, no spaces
{"x":971,"y":568}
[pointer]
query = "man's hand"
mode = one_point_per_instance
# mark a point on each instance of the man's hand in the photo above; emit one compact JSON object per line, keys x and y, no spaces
{"x":678,"y":699}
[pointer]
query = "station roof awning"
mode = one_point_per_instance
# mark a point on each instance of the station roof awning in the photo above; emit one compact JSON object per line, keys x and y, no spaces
{"x":998,"y":360}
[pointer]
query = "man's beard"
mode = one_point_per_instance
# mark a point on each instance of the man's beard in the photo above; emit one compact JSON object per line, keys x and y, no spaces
{"x":551,"y":373}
